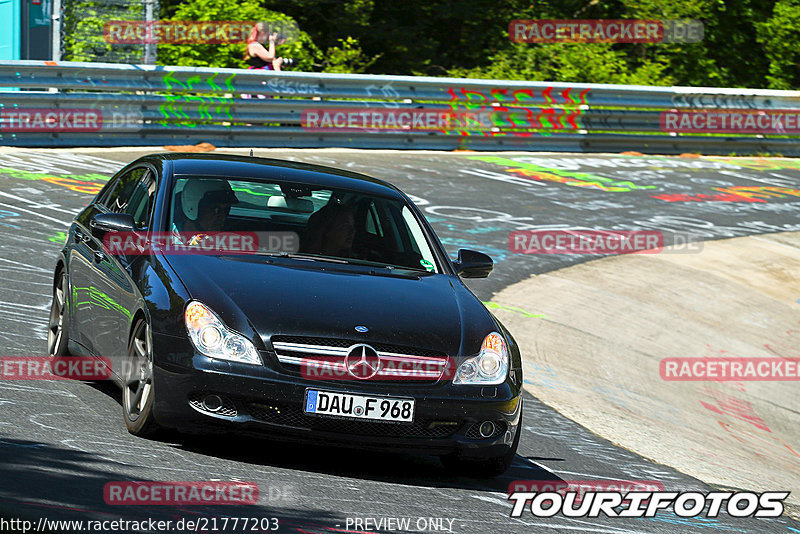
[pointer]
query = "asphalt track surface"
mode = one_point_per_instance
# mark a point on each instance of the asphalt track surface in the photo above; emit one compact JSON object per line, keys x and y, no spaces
{"x":61,"y":441}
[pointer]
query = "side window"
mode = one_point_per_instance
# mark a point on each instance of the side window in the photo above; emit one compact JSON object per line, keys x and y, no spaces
{"x":120,"y":194}
{"x":140,"y":205}
{"x":373,"y":224}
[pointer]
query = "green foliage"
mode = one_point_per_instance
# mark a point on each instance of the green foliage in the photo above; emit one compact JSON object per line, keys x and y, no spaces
{"x":347,"y":57}
{"x":747,"y":43}
{"x":579,"y":63}
{"x":780,"y":35}
{"x":84,"y":38}
{"x":230,"y":55}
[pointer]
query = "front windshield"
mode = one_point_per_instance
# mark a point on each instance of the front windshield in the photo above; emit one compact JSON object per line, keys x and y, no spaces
{"x":331,"y":223}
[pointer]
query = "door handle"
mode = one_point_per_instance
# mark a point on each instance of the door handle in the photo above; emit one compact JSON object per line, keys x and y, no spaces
{"x":99,"y":256}
{"x":79,"y":236}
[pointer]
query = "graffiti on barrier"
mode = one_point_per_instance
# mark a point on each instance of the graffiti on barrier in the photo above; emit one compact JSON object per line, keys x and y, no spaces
{"x":197,"y":81}
{"x":505,"y":111}
{"x":208,"y":107}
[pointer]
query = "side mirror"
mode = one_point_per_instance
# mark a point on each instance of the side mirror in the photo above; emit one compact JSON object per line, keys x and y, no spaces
{"x":103,"y":223}
{"x":473,"y":264}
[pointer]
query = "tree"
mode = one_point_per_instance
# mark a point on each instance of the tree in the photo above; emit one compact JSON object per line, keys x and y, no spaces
{"x":231,"y":55}
{"x":780,"y":35}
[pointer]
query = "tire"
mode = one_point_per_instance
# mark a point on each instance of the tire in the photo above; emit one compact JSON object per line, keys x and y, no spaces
{"x":483,"y":467}
{"x":137,"y":387}
{"x":57,"y":335}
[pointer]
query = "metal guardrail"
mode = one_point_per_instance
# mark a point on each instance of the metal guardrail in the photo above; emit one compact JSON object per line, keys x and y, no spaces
{"x":93,"y":104}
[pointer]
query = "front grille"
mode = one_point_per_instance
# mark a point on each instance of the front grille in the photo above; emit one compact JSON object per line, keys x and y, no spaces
{"x":473,"y":432}
{"x":324,"y":358}
{"x":345,"y":343}
{"x":281,"y":415}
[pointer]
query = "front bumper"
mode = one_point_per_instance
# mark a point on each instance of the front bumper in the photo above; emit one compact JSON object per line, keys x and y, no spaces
{"x":269,"y":402}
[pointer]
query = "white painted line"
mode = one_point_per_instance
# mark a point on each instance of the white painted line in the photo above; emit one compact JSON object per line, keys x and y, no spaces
{"x":63,"y":223}
{"x":37,"y":204}
{"x":30,"y":267}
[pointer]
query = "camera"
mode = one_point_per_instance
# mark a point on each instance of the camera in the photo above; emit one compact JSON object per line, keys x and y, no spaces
{"x":288,"y":61}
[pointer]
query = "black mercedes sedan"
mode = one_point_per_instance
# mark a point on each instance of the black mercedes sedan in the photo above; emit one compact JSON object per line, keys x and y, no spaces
{"x":325,"y":309}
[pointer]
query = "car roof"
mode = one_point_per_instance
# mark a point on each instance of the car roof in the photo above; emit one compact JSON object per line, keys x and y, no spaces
{"x":231,"y":166}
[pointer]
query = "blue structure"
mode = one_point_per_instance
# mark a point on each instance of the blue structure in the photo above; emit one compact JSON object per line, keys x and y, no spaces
{"x":10,"y":26}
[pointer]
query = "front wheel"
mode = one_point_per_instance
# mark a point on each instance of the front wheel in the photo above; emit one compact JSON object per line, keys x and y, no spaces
{"x":137,"y":390}
{"x":57,"y":324}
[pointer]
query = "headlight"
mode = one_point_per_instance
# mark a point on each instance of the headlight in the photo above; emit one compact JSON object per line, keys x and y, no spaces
{"x":211,"y":337}
{"x":489,"y":367}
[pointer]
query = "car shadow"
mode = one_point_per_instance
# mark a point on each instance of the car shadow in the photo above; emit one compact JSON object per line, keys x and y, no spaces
{"x":41,"y":480}
{"x":395,"y":467}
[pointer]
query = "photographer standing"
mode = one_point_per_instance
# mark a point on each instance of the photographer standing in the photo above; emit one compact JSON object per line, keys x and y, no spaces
{"x":257,"y":55}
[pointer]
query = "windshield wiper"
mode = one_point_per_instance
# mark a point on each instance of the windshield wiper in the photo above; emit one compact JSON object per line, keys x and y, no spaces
{"x":302,"y":256}
{"x":345,"y":261}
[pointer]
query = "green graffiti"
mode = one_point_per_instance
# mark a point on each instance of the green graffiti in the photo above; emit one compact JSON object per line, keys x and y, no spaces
{"x":229,"y":82}
{"x":193,"y":80}
{"x":58,"y":237}
{"x":759,"y":164}
{"x":174,"y":109}
{"x":570,"y":178}
{"x":210,"y":82}
{"x":169,"y":79}
{"x":89,"y":183}
{"x":495,"y":306}
{"x":171,"y":82}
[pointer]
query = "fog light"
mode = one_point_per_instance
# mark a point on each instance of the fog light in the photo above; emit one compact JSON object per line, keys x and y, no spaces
{"x":212,"y":403}
{"x":486,"y":429}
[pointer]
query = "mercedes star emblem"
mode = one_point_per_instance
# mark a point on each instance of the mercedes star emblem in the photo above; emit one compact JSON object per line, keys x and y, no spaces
{"x":362,"y":362}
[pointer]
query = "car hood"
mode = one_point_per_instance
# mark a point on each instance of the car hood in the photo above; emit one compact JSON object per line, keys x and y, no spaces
{"x":277,"y":296}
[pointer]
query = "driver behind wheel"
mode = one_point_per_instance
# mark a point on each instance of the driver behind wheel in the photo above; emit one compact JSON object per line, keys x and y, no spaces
{"x":206,"y":204}
{"x":330,"y":231}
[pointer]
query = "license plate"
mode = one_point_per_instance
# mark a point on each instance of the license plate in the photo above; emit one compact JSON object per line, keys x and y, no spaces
{"x":359,"y":406}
